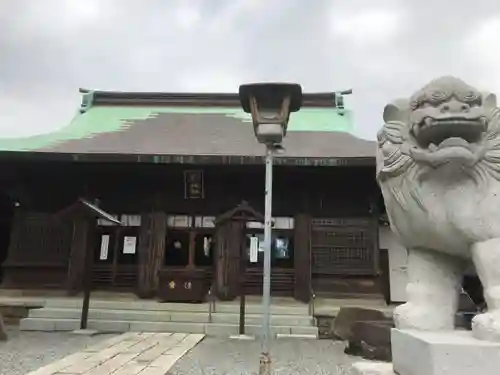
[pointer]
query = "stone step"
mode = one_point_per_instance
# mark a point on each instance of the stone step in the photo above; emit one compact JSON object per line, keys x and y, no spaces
{"x":279,"y":320}
{"x":220,"y":307}
{"x":118,"y":326}
{"x":169,"y":316}
{"x":301,"y":309}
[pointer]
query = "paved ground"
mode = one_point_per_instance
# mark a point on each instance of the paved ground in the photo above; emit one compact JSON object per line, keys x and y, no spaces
{"x":27,"y":351}
{"x":131,"y":353}
{"x":290,"y":357}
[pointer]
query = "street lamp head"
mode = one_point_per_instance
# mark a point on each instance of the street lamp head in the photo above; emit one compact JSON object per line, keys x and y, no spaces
{"x":270,"y":105}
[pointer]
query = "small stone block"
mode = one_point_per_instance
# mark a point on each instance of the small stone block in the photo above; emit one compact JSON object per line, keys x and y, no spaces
{"x":296,"y":336}
{"x":443,"y":353}
{"x":242,"y":337}
{"x":85,"y":332}
{"x":372,"y":368}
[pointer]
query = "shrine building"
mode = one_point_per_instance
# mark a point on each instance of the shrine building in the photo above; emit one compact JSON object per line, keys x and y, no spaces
{"x":177,"y":170}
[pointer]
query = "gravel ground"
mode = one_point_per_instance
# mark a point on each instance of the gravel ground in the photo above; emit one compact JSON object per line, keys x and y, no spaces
{"x":28,"y":351}
{"x":290,"y":357}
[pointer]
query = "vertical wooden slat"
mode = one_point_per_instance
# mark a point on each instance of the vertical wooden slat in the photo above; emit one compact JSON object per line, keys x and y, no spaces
{"x":228,"y":245}
{"x":302,"y":258}
{"x":151,"y":252}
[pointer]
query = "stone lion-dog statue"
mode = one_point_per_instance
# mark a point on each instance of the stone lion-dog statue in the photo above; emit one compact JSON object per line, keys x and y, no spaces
{"x":438,"y":166}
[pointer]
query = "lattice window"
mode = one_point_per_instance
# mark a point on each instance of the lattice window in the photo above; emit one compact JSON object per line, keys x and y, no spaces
{"x":39,"y":239}
{"x":349,"y":221}
{"x":342,"y":246}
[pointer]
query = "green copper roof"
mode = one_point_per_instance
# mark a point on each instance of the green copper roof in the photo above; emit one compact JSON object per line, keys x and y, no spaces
{"x":111,"y":119}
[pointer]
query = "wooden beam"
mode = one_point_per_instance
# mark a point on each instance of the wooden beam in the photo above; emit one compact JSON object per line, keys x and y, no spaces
{"x":190,"y":159}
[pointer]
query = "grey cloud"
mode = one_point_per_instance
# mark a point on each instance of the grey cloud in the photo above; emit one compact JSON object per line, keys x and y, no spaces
{"x":47,"y":52}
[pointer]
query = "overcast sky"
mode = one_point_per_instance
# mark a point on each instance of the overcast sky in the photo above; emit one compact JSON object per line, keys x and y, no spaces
{"x":382,"y":49}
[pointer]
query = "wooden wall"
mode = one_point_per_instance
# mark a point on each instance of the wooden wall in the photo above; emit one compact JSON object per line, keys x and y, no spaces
{"x":42,"y":189}
{"x":39,"y":251}
{"x":320,"y":191}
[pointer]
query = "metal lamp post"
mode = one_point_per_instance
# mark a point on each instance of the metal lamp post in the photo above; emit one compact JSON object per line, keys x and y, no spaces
{"x":270,"y":105}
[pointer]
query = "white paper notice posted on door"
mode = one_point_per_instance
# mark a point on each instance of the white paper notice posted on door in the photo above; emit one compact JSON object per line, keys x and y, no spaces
{"x":254,"y":249}
{"x":103,"y":254}
{"x":129,"y":245}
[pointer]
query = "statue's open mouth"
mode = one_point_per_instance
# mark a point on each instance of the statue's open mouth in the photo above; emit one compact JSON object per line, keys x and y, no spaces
{"x":435,"y":134}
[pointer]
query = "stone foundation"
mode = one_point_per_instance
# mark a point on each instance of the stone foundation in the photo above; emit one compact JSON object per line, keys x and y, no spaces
{"x":372,"y":368}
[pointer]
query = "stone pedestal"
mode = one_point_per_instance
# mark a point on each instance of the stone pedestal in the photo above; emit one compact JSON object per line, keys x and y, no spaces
{"x":443,"y":353}
{"x":436,"y":353}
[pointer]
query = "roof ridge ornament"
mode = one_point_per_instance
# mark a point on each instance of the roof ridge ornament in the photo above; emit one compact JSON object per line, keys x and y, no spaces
{"x":87,"y":100}
{"x":339,"y":100}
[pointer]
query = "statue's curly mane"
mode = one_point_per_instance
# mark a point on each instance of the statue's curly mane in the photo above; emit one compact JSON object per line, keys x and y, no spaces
{"x":399,"y":174}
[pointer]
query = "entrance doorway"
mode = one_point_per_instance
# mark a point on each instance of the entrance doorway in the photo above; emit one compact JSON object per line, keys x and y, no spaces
{"x":190,"y":242}
{"x":187,"y":269}
{"x":6,"y":217}
{"x":115,"y":255}
{"x":282,"y":257}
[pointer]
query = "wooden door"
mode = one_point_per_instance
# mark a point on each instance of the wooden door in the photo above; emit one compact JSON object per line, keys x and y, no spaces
{"x":126,"y":258}
{"x":282,"y":262}
{"x":115,"y":258}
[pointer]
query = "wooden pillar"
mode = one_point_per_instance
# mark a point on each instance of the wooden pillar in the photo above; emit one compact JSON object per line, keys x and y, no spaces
{"x":191,"y":254}
{"x":151,"y":250}
{"x":229,"y":237}
{"x":302,"y":257}
{"x":79,"y":245}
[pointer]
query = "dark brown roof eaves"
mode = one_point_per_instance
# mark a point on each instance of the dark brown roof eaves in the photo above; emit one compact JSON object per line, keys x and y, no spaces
{"x":322,"y":99}
{"x":202,"y":138}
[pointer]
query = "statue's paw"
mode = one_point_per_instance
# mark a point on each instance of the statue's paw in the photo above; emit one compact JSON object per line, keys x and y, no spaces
{"x":423,"y":318}
{"x":487,"y":326}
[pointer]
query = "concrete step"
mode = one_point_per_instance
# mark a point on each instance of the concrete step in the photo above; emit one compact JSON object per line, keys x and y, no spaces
{"x":169,"y":316}
{"x":220,"y":307}
{"x":280,"y":320}
{"x":295,"y":309}
{"x":117,"y":326}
